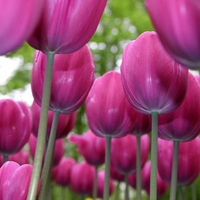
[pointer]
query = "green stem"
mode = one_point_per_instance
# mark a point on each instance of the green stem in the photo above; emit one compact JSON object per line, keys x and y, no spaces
{"x":117,"y":191}
{"x":173,"y":186}
{"x":95,"y":183}
{"x":138,"y":167}
{"x":194,"y":195}
{"x":126,"y":187}
{"x":62,"y":193}
{"x":5,"y":158}
{"x":48,"y":157}
{"x":180,"y":193}
{"x":107,"y":169}
{"x":154,"y":145}
{"x":42,"y":128}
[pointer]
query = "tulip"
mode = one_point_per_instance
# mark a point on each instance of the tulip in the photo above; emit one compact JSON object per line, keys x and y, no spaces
{"x":66,"y":26}
{"x":58,"y":152}
{"x":65,"y":123}
{"x":83,"y":185}
{"x":17,"y":22}
{"x":184,"y":123}
{"x":123,"y":153}
{"x":161,"y":185}
{"x":91,"y":147}
{"x":109,"y":115}
{"x":14,"y":181}
{"x":188,"y":160}
{"x":21,"y":157}
{"x":177,"y":24}
{"x":61,"y":172}
{"x":154,"y":84}
{"x":73,"y":76}
{"x":15,"y":126}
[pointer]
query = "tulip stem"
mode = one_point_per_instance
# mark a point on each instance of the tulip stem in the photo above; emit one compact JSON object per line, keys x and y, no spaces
{"x":194,"y":196}
{"x":42,"y":128}
{"x":173,"y":185}
{"x":5,"y":158}
{"x":126,"y":187}
{"x":46,"y":171}
{"x":107,"y":169}
{"x":95,"y":183}
{"x":138,"y":167}
{"x":180,"y":193}
{"x":154,"y":152}
{"x":117,"y":191}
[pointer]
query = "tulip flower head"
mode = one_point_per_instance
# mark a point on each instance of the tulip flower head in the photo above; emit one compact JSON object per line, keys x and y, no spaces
{"x":91,"y":147}
{"x":177,"y":24}
{"x":73,"y":76}
{"x":66,"y":26}
{"x":65,"y":122}
{"x":14,"y":181}
{"x":21,"y":157}
{"x":17,"y":22}
{"x":188,"y":160}
{"x":152,"y":80}
{"x":107,"y":109}
{"x":15,"y":126}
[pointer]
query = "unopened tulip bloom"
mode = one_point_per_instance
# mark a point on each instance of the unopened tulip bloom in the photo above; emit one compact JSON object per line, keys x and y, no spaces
{"x":188,"y":160}
{"x":107,"y":109}
{"x":183,"y":124}
{"x":73,"y":76}
{"x":91,"y":147}
{"x":14,"y":181}
{"x":61,"y":173}
{"x":65,"y":122}
{"x":82,"y":178}
{"x":17,"y":22}
{"x":58,"y":149}
{"x":123,"y":152}
{"x":15,"y":126}
{"x":177,"y":24}
{"x":21,"y":157}
{"x":65,"y":26}
{"x":152,"y":80}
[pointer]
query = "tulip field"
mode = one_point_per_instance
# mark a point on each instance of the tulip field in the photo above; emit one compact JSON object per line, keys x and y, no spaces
{"x":102,"y":101}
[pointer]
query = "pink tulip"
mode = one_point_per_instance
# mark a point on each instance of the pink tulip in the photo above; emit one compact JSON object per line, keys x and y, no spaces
{"x":91,"y":147}
{"x":65,"y":25}
{"x":61,"y":173}
{"x":14,"y":181}
{"x":161,"y":185}
{"x":188,"y":160}
{"x":115,"y":175}
{"x":73,"y":76}
{"x":17,"y":22}
{"x":107,"y":109}
{"x":65,"y":122}
{"x":82,"y":178}
{"x":21,"y":157}
{"x":58,"y":149}
{"x":151,"y":79}
{"x":184,"y":123}
{"x":123,"y":153}
{"x":177,"y":24}
{"x":15,"y":126}
{"x":100,"y":187}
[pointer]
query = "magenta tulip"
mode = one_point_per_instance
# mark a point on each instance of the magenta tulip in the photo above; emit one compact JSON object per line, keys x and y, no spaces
{"x":17,"y":22}
{"x":109,"y":114}
{"x":58,"y":149}
{"x":101,"y":179}
{"x":177,"y":24}
{"x":161,"y":185}
{"x":188,"y":160}
{"x":82,"y":178}
{"x":73,"y":76}
{"x":115,"y":175}
{"x":152,"y":80}
{"x":91,"y":147}
{"x":15,"y":126}
{"x":65,"y":26}
{"x":184,"y":123}
{"x":61,"y":173}
{"x":21,"y":157}
{"x":65,"y":122}
{"x":123,"y":153}
{"x":14,"y":181}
